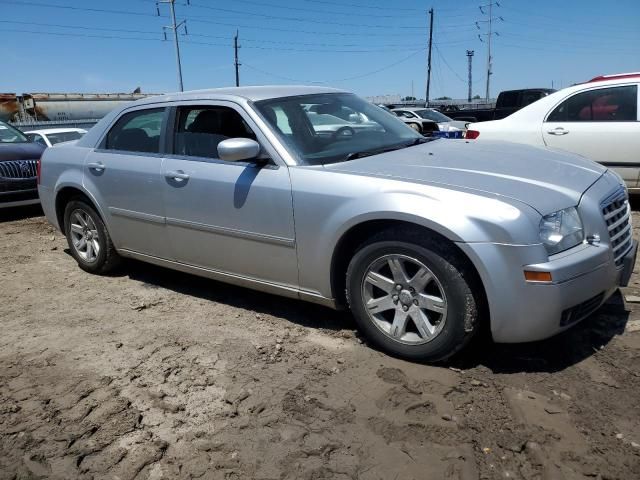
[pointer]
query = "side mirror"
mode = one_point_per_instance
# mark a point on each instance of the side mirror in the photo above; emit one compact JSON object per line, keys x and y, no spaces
{"x":238,"y":149}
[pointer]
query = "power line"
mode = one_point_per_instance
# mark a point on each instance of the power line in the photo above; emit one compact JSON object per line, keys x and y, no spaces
{"x":304,"y":50}
{"x":392,"y":46}
{"x":67,"y":34}
{"x":449,"y":66}
{"x":360,"y":5}
{"x":292,"y":30}
{"x":80,"y":27}
{"x":305,"y":20}
{"x":159,"y":39}
{"x":394,"y":8}
{"x":208,"y":20}
{"x":85,"y":9}
{"x":552,"y":19}
{"x":311,"y":10}
{"x":568,"y":30}
{"x":355,"y":77}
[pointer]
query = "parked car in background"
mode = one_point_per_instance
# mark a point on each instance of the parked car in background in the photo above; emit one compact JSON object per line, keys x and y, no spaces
{"x":425,"y":240}
{"x":598,"y":119}
{"x":419,"y":124}
{"x":445,"y":124}
{"x":48,"y":137}
{"x":337,"y":120}
{"x":18,"y":168}
{"x":508,"y":102}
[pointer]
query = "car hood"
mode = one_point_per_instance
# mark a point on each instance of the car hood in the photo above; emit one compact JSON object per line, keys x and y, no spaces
{"x":544,"y":179}
{"x":20,"y":151}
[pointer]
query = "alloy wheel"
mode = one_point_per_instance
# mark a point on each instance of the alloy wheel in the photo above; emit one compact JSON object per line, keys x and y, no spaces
{"x":84,"y":236}
{"x":404,"y":299}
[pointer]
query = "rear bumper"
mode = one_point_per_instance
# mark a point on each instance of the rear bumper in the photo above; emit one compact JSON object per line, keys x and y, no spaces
{"x":523,"y":311}
{"x":47,"y":199}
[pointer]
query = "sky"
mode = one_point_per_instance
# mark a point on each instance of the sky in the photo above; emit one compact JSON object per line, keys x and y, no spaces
{"x":376,"y":47}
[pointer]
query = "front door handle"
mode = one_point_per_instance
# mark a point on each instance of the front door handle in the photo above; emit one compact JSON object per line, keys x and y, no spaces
{"x":558,"y":131}
{"x":177,"y":175}
{"x":97,"y":166}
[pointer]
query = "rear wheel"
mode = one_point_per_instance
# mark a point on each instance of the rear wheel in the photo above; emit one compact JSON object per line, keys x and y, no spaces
{"x":88,"y":239}
{"x":415,"y":126}
{"x":413,"y":297}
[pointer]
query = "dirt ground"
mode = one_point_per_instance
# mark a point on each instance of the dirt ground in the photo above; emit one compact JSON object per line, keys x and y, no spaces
{"x":153,"y":374}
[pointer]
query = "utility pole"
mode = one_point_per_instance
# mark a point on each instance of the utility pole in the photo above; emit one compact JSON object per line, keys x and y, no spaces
{"x":235,"y":49}
{"x":470,"y":54}
{"x":174,"y":27}
{"x":426,"y":101}
{"x":489,"y":51}
{"x":490,"y":33}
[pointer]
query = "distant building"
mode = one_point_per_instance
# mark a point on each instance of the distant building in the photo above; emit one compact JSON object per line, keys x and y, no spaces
{"x":384,"y":99}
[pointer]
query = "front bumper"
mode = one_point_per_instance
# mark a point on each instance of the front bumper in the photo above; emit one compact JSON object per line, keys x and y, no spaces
{"x":14,"y":194}
{"x":523,"y":311}
{"x":583,"y":277}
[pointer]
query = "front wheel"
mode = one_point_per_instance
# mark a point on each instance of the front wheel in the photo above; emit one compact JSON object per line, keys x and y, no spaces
{"x":416,"y":127}
{"x":413,"y":297}
{"x":88,"y":239}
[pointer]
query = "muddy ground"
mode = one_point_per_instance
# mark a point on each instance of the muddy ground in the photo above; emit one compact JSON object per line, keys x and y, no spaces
{"x":154,"y":374}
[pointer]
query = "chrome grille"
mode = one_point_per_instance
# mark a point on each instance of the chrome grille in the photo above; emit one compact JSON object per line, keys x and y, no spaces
{"x":617,"y":215}
{"x":18,"y":169}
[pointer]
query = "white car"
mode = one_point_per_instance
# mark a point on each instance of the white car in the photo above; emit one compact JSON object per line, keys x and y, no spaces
{"x":598,"y":119}
{"x":445,"y":124}
{"x":48,"y":137}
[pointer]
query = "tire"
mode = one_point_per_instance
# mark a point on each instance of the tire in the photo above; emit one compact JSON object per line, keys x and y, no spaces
{"x":416,"y":127}
{"x":433,"y":322}
{"x":82,"y":225}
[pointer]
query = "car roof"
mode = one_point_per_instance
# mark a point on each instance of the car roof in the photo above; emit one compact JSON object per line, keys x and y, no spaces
{"x":47,"y":131}
{"x":252,"y":93}
{"x":615,"y":76}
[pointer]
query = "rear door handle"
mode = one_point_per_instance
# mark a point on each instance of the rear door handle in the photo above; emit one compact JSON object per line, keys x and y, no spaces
{"x":177,"y":175}
{"x":558,"y":131}
{"x":97,"y":166}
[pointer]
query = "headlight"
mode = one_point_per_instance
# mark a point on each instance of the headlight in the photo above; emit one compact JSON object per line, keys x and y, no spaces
{"x":561,"y":230}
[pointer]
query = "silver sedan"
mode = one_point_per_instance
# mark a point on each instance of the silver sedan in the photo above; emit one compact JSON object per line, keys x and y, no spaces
{"x":424,"y":240}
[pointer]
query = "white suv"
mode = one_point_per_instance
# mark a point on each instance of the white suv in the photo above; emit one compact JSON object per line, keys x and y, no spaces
{"x":597,"y":119}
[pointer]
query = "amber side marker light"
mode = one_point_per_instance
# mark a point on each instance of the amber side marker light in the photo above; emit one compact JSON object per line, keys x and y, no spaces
{"x":537,"y":276}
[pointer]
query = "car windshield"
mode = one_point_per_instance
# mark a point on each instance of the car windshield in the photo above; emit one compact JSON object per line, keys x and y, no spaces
{"x":60,"y":137}
{"x":8,"y":134}
{"x":433,"y":115}
{"x":335,"y":127}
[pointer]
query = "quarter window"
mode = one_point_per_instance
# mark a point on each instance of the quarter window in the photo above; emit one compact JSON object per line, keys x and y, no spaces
{"x":615,"y":104}
{"x":201,"y":128}
{"x":137,"y":131}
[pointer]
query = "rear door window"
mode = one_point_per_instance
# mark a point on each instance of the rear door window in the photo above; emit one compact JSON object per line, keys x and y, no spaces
{"x":614,"y":104}
{"x":137,"y":131}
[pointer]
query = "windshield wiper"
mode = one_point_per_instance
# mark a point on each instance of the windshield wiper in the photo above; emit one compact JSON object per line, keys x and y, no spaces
{"x":391,"y":148}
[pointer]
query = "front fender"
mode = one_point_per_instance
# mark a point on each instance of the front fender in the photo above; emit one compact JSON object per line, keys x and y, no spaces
{"x":324,"y":215}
